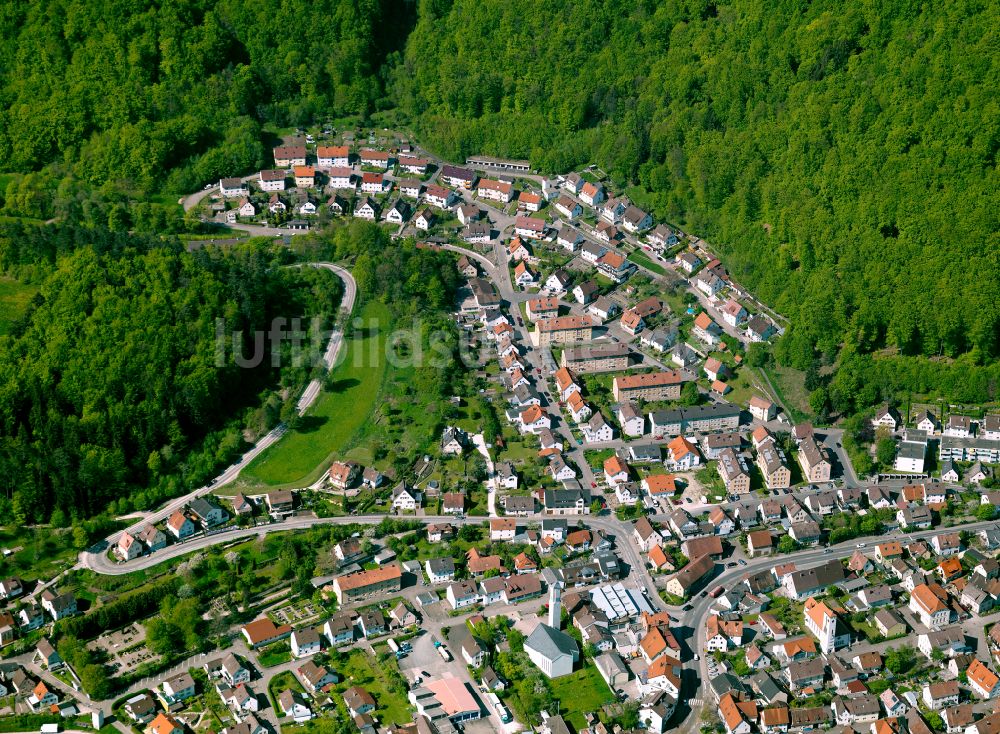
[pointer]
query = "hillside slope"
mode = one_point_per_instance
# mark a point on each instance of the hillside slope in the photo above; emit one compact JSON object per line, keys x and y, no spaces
{"x":843,"y":156}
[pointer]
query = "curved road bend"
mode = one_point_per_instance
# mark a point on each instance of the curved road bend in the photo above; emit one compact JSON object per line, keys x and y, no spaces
{"x":694,"y":620}
{"x":309,"y":397}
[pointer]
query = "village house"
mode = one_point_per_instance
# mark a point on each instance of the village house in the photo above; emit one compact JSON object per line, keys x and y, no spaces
{"x":495,"y":190}
{"x":366,"y":208}
{"x":706,"y":330}
{"x":983,"y":681}
{"x":530,"y":227}
{"x":662,"y":237}
{"x":398,"y":213}
{"x":271,"y":180}
{"x":597,"y":430}
{"x":529,"y":202}
{"x":814,"y":460}
{"x":376,"y":159}
{"x":762,"y":409}
{"x":682,"y":455}
{"x":927,"y":604}
{"x":333,"y":156}
{"x":286,"y":156}
{"x":456,"y":176}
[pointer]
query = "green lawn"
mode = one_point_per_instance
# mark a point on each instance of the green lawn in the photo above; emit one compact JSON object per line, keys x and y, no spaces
{"x":14,"y":300}
{"x":337,"y":415}
{"x":580,"y":693}
{"x":282,"y":682}
{"x":380,"y":678}
{"x":274,"y":654}
{"x":643,"y":260}
{"x":789,"y":384}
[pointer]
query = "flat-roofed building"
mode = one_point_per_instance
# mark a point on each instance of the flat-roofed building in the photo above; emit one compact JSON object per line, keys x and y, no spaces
{"x":498,"y":164}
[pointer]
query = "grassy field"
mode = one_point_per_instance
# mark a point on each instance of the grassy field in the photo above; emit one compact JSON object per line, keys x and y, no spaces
{"x":789,"y":384}
{"x":581,"y":692}
{"x":360,"y":669}
{"x":37,"y":552}
{"x":642,"y":259}
{"x":14,"y":300}
{"x":274,"y":654}
{"x":337,"y":415}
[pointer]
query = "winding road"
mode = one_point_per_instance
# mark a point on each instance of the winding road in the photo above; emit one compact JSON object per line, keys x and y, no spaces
{"x":97,"y":560}
{"x":691,"y":623}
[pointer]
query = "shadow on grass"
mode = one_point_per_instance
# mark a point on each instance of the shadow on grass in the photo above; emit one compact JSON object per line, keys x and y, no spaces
{"x":338,"y":386}
{"x":311,"y":423}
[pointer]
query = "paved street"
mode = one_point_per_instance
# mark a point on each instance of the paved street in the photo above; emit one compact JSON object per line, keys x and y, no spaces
{"x":311,"y":393}
{"x":691,"y":622}
{"x":692,"y":625}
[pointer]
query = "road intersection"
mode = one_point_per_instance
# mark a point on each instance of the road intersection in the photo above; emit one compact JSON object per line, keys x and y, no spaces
{"x":691,"y":620}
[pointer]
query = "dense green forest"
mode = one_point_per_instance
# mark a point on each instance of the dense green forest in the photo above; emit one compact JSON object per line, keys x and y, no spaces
{"x":174,"y":93}
{"x":112,"y":383}
{"x":842,"y":156}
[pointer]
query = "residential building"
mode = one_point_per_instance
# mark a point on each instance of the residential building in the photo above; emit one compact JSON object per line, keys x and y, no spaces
{"x":286,"y":156}
{"x":596,"y":358}
{"x":983,"y":681}
{"x":233,"y":188}
{"x":59,"y":606}
{"x":940,"y":695}
{"x":363,"y":584}
{"x":684,"y":581}
{"x":456,"y":176}
{"x":734,"y":472}
{"x":563,"y":329}
{"x":651,"y":386}
{"x":762,"y":409}
{"x":771,"y":461}
{"x":814,"y":460}
{"x":305,"y":642}
{"x":177,"y":688}
{"x":330,"y":156}
{"x":928,"y":606}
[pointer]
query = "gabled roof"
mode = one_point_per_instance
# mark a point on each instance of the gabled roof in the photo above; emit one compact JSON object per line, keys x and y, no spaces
{"x":551,"y":643}
{"x":980,"y":675}
{"x":927,"y":599}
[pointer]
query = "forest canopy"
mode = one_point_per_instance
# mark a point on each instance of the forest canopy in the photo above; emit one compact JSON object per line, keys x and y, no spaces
{"x":111,"y":383}
{"x":841,"y":156}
